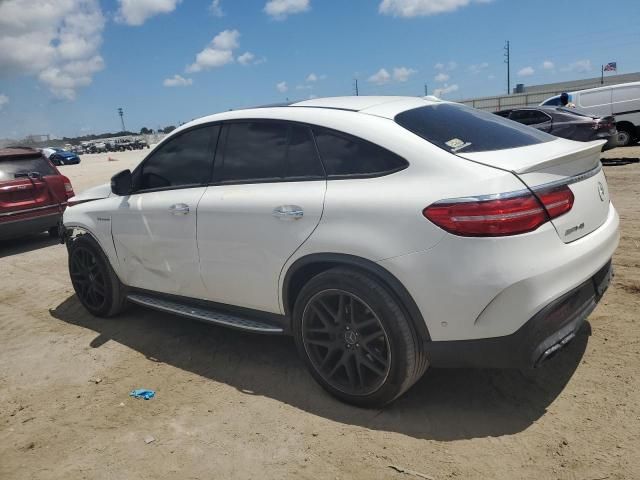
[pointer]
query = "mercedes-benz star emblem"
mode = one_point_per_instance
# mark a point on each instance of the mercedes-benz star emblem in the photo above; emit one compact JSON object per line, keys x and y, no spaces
{"x":601,"y":192}
{"x":350,"y":337}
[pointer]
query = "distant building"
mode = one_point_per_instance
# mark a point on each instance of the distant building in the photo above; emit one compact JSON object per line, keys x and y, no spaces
{"x":535,"y":94}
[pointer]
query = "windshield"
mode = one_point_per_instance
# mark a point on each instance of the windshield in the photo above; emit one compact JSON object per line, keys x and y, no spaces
{"x":10,"y":168}
{"x":460,"y":129}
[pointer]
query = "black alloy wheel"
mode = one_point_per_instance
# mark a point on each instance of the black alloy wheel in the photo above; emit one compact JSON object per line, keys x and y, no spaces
{"x":88,"y":278}
{"x":346,"y":342}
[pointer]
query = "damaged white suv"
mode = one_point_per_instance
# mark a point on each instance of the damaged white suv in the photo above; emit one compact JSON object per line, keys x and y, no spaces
{"x":385,"y":234}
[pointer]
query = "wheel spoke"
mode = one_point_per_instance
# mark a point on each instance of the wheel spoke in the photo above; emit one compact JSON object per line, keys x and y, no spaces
{"x":375,"y":355}
{"x":323,"y":318}
{"x":371,"y":366}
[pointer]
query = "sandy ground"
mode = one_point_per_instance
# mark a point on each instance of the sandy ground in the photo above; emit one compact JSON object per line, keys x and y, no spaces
{"x":235,"y":405}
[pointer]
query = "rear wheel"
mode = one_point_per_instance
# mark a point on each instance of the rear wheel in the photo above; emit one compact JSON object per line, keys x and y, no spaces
{"x":93,"y":279}
{"x":624,"y":137}
{"x":356,"y":339}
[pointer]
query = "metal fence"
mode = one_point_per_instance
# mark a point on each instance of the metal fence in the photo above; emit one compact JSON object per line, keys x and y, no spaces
{"x":494,"y":104}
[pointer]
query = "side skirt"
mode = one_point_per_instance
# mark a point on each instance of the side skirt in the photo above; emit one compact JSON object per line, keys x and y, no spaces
{"x":218,"y":314}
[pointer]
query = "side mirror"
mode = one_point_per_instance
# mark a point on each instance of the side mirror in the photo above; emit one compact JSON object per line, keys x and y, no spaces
{"x":122,"y":183}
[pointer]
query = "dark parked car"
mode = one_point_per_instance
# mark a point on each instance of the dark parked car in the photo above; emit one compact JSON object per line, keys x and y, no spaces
{"x":63,"y":157}
{"x":564,"y":122}
{"x":33,"y":193}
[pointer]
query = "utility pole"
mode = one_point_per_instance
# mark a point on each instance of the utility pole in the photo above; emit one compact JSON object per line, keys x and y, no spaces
{"x":121,"y":113}
{"x":426,"y":90}
{"x":507,"y":59}
{"x":356,"y":86}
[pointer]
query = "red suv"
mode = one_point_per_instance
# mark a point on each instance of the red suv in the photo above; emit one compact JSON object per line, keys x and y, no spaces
{"x":33,"y":193}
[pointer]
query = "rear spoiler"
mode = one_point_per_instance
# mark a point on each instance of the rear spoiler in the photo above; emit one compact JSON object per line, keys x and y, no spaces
{"x":541,"y":156}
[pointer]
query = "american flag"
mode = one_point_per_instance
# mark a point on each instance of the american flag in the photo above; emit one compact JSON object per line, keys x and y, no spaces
{"x":611,"y":67}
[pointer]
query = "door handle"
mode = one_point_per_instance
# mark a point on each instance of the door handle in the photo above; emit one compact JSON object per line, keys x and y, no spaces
{"x":288,"y":212}
{"x":179,"y":209}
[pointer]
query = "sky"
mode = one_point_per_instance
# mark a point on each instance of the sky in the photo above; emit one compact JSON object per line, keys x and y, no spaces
{"x":66,"y":66}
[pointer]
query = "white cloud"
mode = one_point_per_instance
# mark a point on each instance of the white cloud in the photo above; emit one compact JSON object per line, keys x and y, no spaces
{"x":491,"y":77}
{"x":216,"y":9}
{"x":439,"y":92}
{"x":282,"y":87}
{"x":448,"y":67}
{"x":136,"y":12}
{"x":218,"y":53}
{"x":415,"y":8}
{"x":177,"y":81}
{"x":304,"y":87}
{"x":3,"y":100}
{"x":579,"y":66}
{"x":402,"y":74}
{"x":246,"y":58}
{"x":312,"y":77}
{"x":57,"y":40}
{"x":548,"y":65}
{"x":281,"y":9}
{"x":477,"y":68}
{"x":380,"y":77}
{"x":526,"y":72}
{"x":441,"y":77}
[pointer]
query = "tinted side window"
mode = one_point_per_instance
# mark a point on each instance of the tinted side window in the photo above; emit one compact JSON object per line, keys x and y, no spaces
{"x":529,"y":117}
{"x":254,"y":151}
{"x":302,"y":157}
{"x":184,"y":160}
{"x":344,"y":155}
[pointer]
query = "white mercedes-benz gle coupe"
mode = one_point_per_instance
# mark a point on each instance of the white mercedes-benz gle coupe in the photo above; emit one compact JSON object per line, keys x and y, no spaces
{"x":385,"y":234}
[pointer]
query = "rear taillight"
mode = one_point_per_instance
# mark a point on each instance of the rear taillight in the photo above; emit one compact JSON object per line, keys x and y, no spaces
{"x":68,"y":189}
{"x":556,"y":200}
{"x":500,"y":215}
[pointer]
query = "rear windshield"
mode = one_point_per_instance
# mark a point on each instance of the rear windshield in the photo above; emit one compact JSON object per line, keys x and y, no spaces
{"x":460,"y":129}
{"x":11,"y":167}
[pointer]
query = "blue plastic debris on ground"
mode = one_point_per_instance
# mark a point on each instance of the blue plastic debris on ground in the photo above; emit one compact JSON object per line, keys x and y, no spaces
{"x":142,"y":393}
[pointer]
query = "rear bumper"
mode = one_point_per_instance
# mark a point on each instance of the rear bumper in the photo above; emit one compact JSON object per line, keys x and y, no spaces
{"x":22,"y":227}
{"x":537,"y":340}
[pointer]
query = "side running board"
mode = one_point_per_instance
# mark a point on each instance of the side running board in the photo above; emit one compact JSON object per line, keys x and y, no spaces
{"x":204,"y":314}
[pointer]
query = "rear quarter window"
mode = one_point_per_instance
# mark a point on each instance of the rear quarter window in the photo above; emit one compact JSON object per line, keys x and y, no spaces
{"x":458,"y":128}
{"x":346,"y":156}
{"x":9,"y":168}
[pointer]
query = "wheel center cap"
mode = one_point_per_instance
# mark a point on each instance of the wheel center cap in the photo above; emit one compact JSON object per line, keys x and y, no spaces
{"x":91,"y":277}
{"x":350,"y":337}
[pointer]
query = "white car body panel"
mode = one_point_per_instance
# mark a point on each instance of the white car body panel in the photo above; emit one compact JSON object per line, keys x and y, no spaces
{"x":157,"y":249}
{"x":243,"y":246}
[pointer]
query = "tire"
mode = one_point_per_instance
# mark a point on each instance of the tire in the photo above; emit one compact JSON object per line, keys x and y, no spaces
{"x":356,"y":338}
{"x":96,"y":284}
{"x":625,"y":137}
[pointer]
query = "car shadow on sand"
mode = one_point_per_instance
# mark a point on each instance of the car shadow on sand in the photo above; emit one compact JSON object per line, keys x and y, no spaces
{"x":26,"y":244}
{"x":443,"y":405}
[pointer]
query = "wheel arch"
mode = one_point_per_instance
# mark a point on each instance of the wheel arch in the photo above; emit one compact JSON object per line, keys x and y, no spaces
{"x":305,"y":268}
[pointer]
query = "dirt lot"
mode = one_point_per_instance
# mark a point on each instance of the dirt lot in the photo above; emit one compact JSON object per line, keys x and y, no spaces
{"x":234,"y":405}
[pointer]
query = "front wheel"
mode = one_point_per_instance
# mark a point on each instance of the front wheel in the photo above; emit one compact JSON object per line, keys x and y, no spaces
{"x":356,"y":339}
{"x":93,"y":279}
